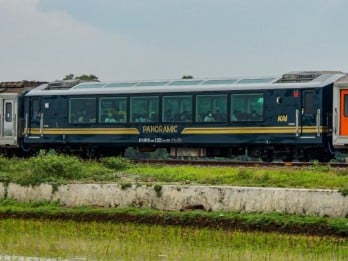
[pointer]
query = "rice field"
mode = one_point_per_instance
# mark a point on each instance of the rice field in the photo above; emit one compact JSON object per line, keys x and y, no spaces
{"x":71,"y":240}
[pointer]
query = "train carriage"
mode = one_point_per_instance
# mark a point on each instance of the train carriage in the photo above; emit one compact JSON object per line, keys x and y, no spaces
{"x":12,"y":113}
{"x":287,"y":117}
{"x":340,"y":114}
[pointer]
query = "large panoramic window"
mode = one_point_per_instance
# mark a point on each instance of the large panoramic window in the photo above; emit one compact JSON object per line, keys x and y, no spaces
{"x":211,"y":108}
{"x":113,"y":110}
{"x":82,"y":110}
{"x":177,"y":108}
{"x":247,"y":107}
{"x":144,"y":109}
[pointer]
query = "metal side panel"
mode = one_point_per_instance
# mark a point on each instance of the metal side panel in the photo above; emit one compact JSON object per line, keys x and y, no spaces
{"x":9,"y":120}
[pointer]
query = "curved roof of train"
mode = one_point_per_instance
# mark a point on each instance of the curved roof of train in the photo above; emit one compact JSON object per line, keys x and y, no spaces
{"x":291,"y":80}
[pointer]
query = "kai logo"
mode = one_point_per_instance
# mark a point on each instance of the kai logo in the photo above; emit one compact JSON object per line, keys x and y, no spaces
{"x":282,"y":118}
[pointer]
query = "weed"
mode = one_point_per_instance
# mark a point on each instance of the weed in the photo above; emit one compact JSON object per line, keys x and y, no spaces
{"x":319,"y":167}
{"x":243,"y":173}
{"x":158,"y":189}
{"x":126,"y":185}
{"x":116,"y":163}
{"x":343,"y":191}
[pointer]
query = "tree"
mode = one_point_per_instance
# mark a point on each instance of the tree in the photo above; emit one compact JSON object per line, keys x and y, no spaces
{"x":83,"y":77}
{"x":68,"y":77}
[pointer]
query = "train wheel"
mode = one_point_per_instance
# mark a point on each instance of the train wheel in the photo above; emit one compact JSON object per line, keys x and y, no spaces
{"x":267,"y":156}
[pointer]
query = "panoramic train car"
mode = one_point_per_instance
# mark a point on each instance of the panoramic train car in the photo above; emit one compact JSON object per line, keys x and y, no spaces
{"x":287,"y":117}
{"x":11,"y":112}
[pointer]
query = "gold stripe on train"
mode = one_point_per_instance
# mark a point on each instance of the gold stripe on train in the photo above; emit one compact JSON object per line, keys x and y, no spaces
{"x":255,"y":130}
{"x":86,"y":131}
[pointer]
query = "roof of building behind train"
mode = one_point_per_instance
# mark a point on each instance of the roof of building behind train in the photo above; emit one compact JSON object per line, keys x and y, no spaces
{"x":18,"y":86}
{"x":307,"y":79}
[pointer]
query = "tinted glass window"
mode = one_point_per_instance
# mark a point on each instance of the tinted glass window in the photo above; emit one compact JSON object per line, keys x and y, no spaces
{"x":346,"y":105}
{"x":35,"y":109}
{"x":82,"y":110}
{"x":262,"y":80}
{"x":247,"y":107}
{"x":219,"y":82}
{"x":8,"y":112}
{"x":177,"y":108}
{"x":144,"y":109}
{"x":186,"y":82}
{"x":308,"y":102}
{"x":152,"y":83}
{"x":113,"y":110}
{"x":210,"y":108}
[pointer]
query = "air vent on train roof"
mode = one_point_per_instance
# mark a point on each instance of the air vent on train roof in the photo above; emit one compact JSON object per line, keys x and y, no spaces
{"x":299,"y":77}
{"x":62,"y":85}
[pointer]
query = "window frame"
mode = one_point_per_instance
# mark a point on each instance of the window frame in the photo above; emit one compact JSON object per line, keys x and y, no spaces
{"x":119,"y":98}
{"x":190,"y":96}
{"x":197,"y":112}
{"x":70,"y":121}
{"x":255,"y":118}
{"x":134,"y":121}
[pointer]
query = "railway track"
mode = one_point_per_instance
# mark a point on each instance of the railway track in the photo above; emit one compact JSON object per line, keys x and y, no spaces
{"x":237,"y":163}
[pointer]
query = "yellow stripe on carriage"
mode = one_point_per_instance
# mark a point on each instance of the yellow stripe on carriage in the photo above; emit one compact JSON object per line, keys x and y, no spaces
{"x":85,"y":131}
{"x":255,"y":130}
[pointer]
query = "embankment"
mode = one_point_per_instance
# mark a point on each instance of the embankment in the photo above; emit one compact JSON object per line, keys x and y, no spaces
{"x":311,"y":202}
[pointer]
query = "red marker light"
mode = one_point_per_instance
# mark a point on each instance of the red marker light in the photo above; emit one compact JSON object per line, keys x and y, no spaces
{"x":296,"y":94}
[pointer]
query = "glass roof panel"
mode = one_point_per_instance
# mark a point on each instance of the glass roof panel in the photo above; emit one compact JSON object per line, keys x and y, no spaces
{"x":219,"y":82}
{"x":152,"y":83}
{"x":256,"y":80}
{"x":185,"y":82}
{"x":120,"y":84}
{"x":88,"y":85}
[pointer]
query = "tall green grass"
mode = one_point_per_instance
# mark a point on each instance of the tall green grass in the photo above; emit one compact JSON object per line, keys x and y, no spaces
{"x":110,"y":241}
{"x":56,"y":168}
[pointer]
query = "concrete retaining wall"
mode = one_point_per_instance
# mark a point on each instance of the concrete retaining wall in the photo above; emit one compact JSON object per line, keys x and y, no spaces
{"x":177,"y":197}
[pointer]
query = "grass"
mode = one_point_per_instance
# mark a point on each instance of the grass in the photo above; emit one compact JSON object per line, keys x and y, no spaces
{"x":100,"y":234}
{"x":110,"y":241}
{"x":247,"y":221}
{"x":60,"y":169}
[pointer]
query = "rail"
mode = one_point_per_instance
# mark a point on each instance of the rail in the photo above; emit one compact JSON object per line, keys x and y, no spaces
{"x":238,"y":163}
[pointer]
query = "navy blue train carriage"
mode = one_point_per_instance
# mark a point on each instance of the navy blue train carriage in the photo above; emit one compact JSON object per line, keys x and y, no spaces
{"x":298,"y":115}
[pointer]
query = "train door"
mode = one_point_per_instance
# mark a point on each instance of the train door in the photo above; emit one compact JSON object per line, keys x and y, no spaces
{"x":8,"y":132}
{"x":310,"y":115}
{"x":34,"y":118}
{"x":343,"y":113}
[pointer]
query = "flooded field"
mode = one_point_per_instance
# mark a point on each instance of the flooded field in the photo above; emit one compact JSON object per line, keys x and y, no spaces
{"x":69,"y":240}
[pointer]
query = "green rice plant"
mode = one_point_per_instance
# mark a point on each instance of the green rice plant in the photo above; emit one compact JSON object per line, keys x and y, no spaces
{"x":111,"y":241}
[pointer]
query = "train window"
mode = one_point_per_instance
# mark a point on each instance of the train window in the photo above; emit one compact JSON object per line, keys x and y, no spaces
{"x":113,"y":110}
{"x":144,"y":109}
{"x":152,"y":83}
{"x":8,"y":111}
{"x":208,"y":82}
{"x":247,"y":107}
{"x":82,"y":110}
{"x":308,"y":102}
{"x":177,"y":108}
{"x":346,"y":105}
{"x":211,"y":108}
{"x":186,"y":82}
{"x":35,"y":108}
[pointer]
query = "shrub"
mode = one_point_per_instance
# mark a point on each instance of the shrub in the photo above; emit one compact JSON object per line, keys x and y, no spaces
{"x":116,"y":163}
{"x":53,"y":165}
